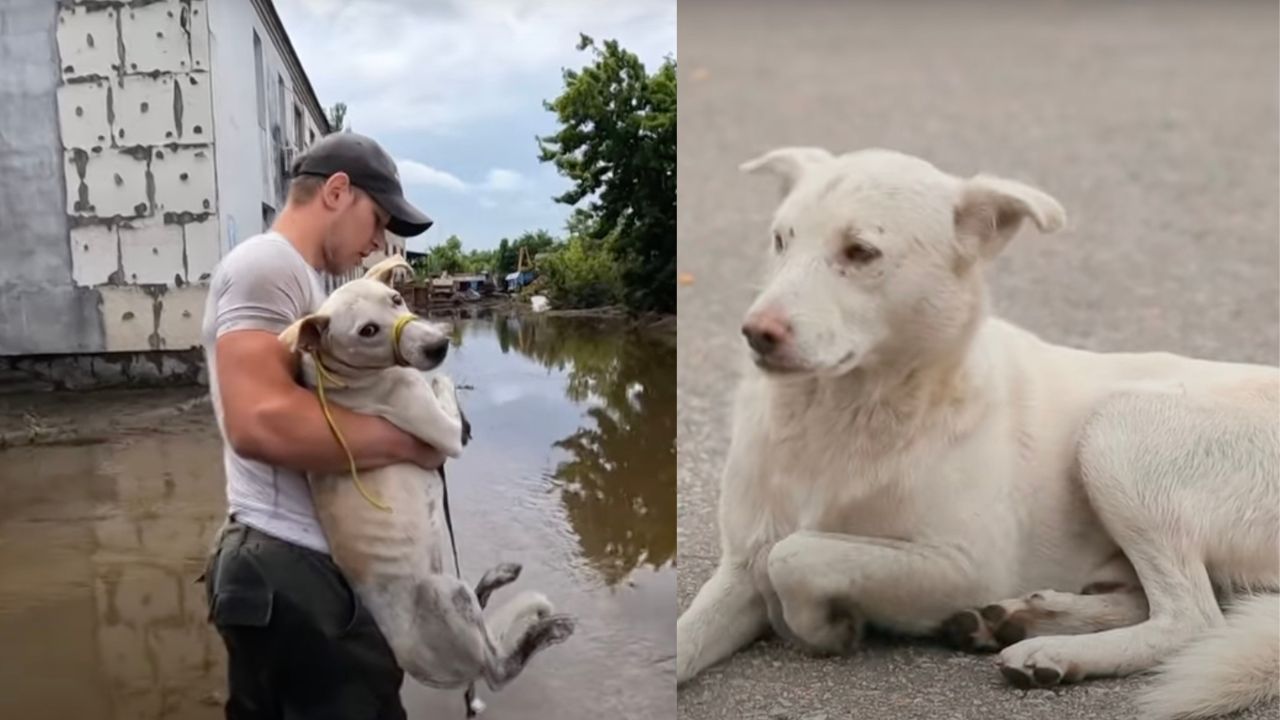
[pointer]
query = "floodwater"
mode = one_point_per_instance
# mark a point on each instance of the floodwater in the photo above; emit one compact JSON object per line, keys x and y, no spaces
{"x":571,"y":472}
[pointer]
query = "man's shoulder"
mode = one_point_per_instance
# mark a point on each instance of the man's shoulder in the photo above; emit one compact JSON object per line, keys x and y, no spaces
{"x":265,"y":252}
{"x":268,"y":244}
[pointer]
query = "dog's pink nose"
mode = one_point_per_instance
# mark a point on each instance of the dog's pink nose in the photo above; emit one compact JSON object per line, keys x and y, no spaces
{"x":766,"y":331}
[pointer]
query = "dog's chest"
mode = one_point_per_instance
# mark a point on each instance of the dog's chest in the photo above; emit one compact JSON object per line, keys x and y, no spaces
{"x":868,"y":475}
{"x":833,"y":489}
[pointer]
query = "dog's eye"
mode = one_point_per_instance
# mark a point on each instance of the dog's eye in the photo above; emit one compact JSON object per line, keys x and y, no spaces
{"x":369,"y":330}
{"x":777,"y":241}
{"x":857,"y":253}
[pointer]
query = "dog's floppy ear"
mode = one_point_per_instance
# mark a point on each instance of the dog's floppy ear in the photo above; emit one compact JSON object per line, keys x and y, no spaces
{"x":789,"y":164}
{"x":990,"y":210}
{"x":385,"y":271}
{"x":304,"y":335}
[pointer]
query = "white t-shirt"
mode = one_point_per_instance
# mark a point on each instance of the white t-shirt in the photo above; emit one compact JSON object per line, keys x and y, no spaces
{"x":262,"y":284}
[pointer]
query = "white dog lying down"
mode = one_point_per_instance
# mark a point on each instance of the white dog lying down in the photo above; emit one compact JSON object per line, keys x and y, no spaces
{"x":395,"y":561}
{"x":904,"y":460}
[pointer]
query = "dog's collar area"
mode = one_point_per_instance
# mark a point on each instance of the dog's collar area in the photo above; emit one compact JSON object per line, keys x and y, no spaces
{"x":323,"y":373}
{"x":396,"y":331}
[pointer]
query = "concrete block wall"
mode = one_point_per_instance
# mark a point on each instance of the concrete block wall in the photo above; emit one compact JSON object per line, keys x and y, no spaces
{"x":112,"y":218}
{"x":135,"y":113}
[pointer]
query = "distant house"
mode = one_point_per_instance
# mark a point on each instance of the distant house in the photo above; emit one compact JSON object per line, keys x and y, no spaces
{"x":517,"y":280}
{"x":478,"y":283}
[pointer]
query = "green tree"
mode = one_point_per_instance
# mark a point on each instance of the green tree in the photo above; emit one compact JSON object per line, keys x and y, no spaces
{"x":446,"y":257}
{"x":479,"y":261}
{"x":617,"y":144}
{"x":505,"y":262}
{"x":535,"y":242}
{"x":581,"y":274}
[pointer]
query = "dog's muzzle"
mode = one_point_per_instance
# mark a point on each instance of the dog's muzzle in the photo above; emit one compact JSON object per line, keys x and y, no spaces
{"x":433,"y":353}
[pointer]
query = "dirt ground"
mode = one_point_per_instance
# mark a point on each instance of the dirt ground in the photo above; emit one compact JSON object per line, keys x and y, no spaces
{"x":65,"y":417}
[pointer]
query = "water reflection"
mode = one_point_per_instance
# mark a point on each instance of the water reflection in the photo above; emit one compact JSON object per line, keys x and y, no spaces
{"x":618,"y":484}
{"x":99,"y":549}
{"x":618,"y":487}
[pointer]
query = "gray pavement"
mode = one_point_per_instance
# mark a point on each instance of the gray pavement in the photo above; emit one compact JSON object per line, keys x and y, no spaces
{"x":1154,"y":123}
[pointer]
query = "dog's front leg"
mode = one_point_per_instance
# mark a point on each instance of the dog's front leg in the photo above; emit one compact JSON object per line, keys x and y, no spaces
{"x":830,"y":584}
{"x":727,"y":613}
{"x":412,"y":405}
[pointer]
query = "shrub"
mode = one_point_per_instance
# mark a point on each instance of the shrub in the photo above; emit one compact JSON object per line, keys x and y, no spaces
{"x":580,"y":274}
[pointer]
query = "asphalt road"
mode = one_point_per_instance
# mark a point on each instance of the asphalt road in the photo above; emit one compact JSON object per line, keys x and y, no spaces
{"x":1155,"y":124}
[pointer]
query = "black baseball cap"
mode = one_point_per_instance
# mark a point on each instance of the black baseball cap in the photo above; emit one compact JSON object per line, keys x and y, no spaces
{"x":371,"y":169}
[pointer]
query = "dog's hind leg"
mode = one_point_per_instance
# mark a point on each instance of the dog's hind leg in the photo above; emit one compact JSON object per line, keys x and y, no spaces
{"x":1111,"y":598}
{"x":523,"y":627}
{"x":446,"y":642}
{"x":494,"y":578}
{"x":1047,"y":612}
{"x":1180,"y":483}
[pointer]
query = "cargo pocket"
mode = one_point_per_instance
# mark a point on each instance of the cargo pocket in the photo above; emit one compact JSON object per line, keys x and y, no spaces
{"x":239,"y":593}
{"x":359,"y":615}
{"x":242,"y":607}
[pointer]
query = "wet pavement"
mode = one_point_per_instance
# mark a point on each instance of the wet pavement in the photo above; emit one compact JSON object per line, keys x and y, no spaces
{"x":571,"y":473}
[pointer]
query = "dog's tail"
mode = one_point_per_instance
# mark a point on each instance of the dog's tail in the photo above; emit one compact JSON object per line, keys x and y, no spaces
{"x":1228,"y":668}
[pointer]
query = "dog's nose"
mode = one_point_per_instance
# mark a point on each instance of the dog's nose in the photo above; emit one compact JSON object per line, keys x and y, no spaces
{"x":435,"y":352}
{"x":766,"y":332}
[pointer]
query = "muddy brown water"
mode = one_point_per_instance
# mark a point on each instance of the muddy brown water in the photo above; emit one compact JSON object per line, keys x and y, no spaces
{"x":571,"y":472}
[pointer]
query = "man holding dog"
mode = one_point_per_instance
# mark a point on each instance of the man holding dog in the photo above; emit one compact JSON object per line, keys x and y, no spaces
{"x":298,"y":642}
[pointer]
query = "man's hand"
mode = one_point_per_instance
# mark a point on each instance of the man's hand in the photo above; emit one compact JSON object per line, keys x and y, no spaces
{"x":272,"y":419}
{"x":425,"y":456}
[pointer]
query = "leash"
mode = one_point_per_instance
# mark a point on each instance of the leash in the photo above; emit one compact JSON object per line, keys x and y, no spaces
{"x":321,"y":376}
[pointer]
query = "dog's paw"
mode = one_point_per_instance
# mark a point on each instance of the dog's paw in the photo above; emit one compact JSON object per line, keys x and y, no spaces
{"x":1035,"y":664}
{"x":466,"y":427}
{"x":442,"y":386}
{"x":993,"y":627}
{"x":1001,"y":624}
{"x":496,"y":577}
{"x":555,"y":629}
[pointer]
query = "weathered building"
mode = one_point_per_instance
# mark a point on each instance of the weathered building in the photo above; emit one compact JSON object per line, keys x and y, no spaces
{"x":139,"y":142}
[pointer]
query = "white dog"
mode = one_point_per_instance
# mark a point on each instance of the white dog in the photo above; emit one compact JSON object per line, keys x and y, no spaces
{"x":903,"y":459}
{"x":373,"y":355}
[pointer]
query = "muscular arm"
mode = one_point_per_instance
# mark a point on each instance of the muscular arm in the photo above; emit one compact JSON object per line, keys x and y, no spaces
{"x":270,"y":418}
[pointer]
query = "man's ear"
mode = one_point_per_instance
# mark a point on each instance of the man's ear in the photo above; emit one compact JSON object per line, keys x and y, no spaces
{"x":385,"y":271}
{"x":305,"y":334}
{"x":788,"y":164}
{"x":990,"y":210}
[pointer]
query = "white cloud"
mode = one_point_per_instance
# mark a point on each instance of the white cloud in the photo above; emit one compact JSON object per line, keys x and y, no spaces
{"x":501,"y":179}
{"x":413,"y":172}
{"x":437,"y":66}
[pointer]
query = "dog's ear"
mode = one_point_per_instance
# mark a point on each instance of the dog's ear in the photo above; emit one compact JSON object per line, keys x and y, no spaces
{"x":990,"y":210}
{"x":305,"y":334}
{"x":789,"y":164}
{"x":385,"y":271}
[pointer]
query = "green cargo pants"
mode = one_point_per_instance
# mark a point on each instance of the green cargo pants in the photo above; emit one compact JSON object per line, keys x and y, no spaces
{"x":300,"y":645}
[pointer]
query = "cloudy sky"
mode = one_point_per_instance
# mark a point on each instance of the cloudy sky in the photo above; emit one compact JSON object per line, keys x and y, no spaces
{"x":454,"y":89}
